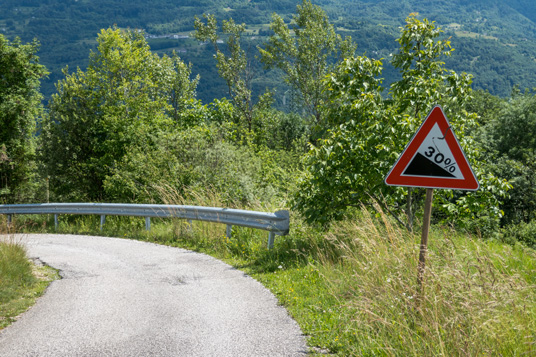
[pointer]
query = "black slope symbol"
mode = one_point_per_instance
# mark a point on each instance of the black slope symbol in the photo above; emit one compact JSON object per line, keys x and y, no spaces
{"x":422,"y":166}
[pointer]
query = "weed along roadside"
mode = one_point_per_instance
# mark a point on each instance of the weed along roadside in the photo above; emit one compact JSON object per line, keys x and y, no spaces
{"x":21,"y":281}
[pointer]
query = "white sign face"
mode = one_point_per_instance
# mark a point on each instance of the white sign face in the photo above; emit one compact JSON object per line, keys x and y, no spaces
{"x":434,"y":158}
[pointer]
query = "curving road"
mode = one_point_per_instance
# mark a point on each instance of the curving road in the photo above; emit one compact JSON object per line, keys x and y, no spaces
{"x":120,"y":297}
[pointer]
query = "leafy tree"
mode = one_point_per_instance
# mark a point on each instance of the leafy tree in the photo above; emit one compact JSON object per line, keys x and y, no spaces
{"x":306,"y":53}
{"x":252,"y":123}
{"x":126,"y":95}
{"x":232,"y":67}
{"x":514,"y":130}
{"x":184,"y":107}
{"x":368,"y":134}
{"x":425,"y":82}
{"x":346,"y":168}
{"x":510,"y":142}
{"x":20,"y":106}
{"x":486,"y":105}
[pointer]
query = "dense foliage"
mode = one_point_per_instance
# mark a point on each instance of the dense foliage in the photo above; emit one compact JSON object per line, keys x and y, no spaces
{"x":20,"y":106}
{"x":127,"y":96}
{"x":367,"y":133}
{"x":507,"y":139}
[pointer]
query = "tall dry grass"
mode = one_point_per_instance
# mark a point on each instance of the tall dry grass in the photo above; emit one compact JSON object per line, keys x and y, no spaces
{"x":209,"y":236}
{"x":191,"y":197}
{"x":479,"y":297}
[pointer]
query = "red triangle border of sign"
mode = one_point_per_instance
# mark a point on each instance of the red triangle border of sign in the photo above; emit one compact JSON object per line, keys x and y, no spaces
{"x":395,"y":177}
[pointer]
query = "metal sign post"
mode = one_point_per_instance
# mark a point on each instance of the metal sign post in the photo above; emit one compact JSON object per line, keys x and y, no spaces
{"x":424,"y":243}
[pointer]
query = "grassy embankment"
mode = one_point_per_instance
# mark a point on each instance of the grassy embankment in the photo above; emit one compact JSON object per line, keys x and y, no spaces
{"x":21,"y":281}
{"x":352,"y":288}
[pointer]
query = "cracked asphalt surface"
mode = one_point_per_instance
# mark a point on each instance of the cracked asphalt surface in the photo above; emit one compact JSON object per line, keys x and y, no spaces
{"x":120,"y":297}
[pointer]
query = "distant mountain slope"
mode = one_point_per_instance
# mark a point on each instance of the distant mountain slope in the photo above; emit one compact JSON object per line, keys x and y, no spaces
{"x":494,"y":39}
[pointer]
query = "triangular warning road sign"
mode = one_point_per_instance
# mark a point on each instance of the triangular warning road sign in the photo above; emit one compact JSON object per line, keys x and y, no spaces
{"x":433,"y":158}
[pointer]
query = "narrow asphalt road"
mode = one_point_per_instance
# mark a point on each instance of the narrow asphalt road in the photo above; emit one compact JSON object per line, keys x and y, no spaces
{"x":120,"y":297}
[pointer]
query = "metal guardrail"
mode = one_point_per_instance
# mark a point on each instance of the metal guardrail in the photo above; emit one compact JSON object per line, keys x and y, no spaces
{"x":275,"y":223}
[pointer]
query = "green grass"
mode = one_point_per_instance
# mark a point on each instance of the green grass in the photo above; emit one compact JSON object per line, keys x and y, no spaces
{"x":21,"y":282}
{"x":353,"y":290}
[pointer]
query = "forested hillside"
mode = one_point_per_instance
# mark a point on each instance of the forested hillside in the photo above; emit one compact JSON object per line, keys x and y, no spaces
{"x":494,"y":39}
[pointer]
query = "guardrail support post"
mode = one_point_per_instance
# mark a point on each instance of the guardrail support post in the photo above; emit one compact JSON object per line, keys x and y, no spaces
{"x":190,"y":226}
{"x":56,"y":222}
{"x":271,"y":238}
{"x":9,"y":218}
{"x":102,"y":220}
{"x":147,"y":223}
{"x":229,"y":230}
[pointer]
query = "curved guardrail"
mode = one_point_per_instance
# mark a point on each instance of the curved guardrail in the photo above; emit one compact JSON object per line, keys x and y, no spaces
{"x":275,"y":223}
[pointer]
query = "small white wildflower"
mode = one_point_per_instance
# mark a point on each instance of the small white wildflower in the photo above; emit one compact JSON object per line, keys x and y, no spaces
{"x":280,"y":267}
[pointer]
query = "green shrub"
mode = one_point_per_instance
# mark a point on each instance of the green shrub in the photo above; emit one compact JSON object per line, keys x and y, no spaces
{"x":201,"y":159}
{"x":521,"y":232}
{"x":15,"y":269}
